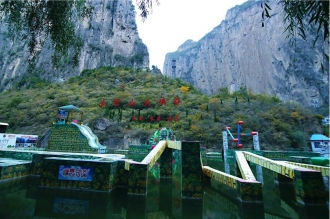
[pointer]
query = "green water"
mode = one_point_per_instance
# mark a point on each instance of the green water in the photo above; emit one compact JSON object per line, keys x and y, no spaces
{"x":22,"y":198}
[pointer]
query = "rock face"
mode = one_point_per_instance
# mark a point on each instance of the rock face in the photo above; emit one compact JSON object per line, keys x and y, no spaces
{"x":109,"y":36}
{"x":112,"y":136}
{"x":241,"y":53}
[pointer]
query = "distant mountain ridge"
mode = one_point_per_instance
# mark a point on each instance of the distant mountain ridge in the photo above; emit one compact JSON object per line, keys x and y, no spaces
{"x":110,"y":38}
{"x":241,"y":53}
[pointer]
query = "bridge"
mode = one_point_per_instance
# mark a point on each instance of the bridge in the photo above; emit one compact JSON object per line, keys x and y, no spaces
{"x":307,"y":179}
{"x":172,"y":159}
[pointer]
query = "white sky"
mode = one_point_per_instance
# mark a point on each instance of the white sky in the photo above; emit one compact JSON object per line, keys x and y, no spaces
{"x":175,"y":21}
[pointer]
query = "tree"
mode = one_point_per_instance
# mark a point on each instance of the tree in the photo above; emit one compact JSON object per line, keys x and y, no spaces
{"x":145,"y":7}
{"x":155,"y":69}
{"x":298,"y":13}
{"x":39,"y":20}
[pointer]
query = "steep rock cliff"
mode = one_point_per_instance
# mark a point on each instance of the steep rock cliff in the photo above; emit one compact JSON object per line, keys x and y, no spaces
{"x":241,"y":53}
{"x":109,"y":37}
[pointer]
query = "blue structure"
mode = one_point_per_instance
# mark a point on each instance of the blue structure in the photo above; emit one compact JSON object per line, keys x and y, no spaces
{"x":320,"y":143}
{"x":238,"y":139}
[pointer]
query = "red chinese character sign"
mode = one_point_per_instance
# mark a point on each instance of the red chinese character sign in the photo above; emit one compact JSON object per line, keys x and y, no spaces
{"x":176,"y":101}
{"x":117,"y":103}
{"x":132,"y":103}
{"x":162,"y":101}
{"x":146,"y":103}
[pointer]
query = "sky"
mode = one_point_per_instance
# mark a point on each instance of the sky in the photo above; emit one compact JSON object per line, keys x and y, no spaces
{"x":174,"y":21}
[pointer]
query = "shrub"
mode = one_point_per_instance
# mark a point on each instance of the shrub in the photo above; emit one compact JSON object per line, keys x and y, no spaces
{"x":297,"y":139}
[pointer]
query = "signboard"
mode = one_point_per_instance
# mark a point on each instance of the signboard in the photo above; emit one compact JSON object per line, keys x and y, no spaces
{"x":75,"y":173}
{"x":17,"y":140}
{"x":61,"y":116}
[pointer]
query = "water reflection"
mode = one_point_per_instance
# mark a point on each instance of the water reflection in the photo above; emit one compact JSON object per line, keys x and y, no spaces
{"x":22,"y":198}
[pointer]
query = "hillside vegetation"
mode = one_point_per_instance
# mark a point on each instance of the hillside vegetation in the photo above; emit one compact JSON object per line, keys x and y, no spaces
{"x":31,"y":108}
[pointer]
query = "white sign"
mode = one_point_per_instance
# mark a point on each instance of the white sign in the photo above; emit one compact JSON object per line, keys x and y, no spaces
{"x":8,"y":140}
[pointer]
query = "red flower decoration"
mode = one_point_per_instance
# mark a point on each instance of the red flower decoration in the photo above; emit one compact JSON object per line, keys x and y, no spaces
{"x":151,"y":119}
{"x":146,"y":103}
{"x":140,"y":118}
{"x":116,"y":102}
{"x":176,"y":101}
{"x":133,"y":118}
{"x":170,"y":118}
{"x":176,"y":118}
{"x":103,"y":104}
{"x":158,"y":118}
{"x":132,"y":103}
{"x":162,"y":101}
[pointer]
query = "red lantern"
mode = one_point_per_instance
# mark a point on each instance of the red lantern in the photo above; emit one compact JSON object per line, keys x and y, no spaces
{"x":116,"y":102}
{"x":103,"y":104}
{"x":151,"y":119}
{"x":170,"y":118}
{"x":158,"y":118}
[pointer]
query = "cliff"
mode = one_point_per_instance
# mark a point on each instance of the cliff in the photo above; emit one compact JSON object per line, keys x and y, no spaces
{"x":109,"y":37}
{"x":241,"y":53}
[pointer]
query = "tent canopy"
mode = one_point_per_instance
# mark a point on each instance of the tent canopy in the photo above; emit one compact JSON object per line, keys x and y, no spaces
{"x":70,"y":108}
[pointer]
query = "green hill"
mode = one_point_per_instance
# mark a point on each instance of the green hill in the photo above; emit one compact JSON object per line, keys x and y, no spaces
{"x":31,"y":108}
